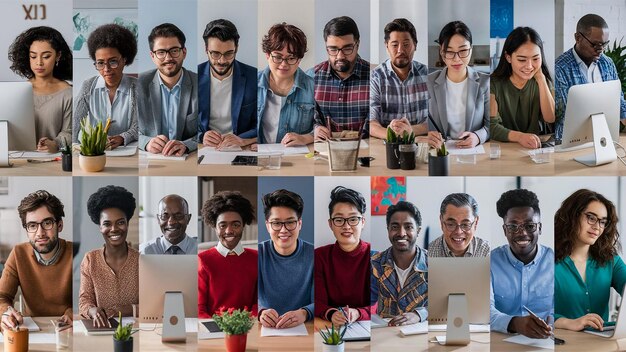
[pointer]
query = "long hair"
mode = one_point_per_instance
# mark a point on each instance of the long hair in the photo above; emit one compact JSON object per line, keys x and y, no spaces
{"x":514,"y":40}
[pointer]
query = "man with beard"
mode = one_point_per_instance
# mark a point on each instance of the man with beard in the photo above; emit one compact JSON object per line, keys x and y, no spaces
{"x":398,"y":90}
{"x":522,"y":272}
{"x":227,"y":90}
{"x":168,"y":104}
{"x":342,"y":84}
{"x":41,"y":268}
{"x":173,"y":219}
{"x":584,"y":63}
{"x":400,"y":273}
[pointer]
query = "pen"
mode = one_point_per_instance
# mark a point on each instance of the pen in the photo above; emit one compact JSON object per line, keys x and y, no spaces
{"x":344,"y":314}
{"x":557,"y":340}
{"x":436,"y":127}
{"x":200,"y":158}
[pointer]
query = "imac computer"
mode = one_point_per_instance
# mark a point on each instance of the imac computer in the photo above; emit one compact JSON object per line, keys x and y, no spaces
{"x":168,"y":287}
{"x":17,"y":121}
{"x":592,"y":120}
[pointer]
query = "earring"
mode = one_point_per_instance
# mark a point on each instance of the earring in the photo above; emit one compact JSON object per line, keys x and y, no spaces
{"x":57,"y":63}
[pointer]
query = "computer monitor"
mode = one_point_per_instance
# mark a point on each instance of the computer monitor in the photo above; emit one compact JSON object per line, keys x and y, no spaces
{"x":469,"y":276}
{"x":17,"y":120}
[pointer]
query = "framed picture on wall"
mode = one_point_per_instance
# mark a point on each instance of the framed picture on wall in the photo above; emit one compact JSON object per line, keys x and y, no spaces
{"x":387,"y":191}
{"x":86,"y":20}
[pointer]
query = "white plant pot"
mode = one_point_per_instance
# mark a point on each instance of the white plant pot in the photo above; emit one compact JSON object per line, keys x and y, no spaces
{"x":333,"y":348}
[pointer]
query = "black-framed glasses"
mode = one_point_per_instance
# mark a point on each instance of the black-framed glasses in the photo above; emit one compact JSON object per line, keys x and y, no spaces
{"x":112,"y":64}
{"x":176,"y":217}
{"x":174,"y":52}
{"x":592,"y":219}
{"x":346,"y":50}
{"x":277,"y":59}
{"x":352,"y":221}
{"x":596,"y":45}
{"x":464,"y":226}
{"x":529,"y":227}
{"x":46,"y":224}
{"x":290,"y":225}
{"x":216,"y":55}
{"x":461,"y":53}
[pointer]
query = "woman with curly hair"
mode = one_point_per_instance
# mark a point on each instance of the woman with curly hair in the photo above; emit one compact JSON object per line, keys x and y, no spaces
{"x":111,"y":93}
{"x":587,"y":260}
{"x":41,"y":55}
{"x":109,"y":276}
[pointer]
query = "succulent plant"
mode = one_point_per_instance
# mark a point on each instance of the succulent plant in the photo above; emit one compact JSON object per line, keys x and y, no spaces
{"x":93,"y":139}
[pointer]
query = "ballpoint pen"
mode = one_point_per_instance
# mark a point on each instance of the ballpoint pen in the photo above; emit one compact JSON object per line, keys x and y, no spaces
{"x":556,"y":340}
{"x":345,"y":315}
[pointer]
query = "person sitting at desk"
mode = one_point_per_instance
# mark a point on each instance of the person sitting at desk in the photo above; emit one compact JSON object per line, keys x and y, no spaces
{"x":586,"y":240}
{"x":459,"y":96}
{"x":109,"y":276}
{"x":342,"y":269}
{"x":458,"y":216}
{"x":522,"y":271}
{"x":168,"y":96}
{"x":521,"y":101}
{"x":111,"y":94}
{"x":400,"y":273}
{"x":41,"y":268}
{"x":227,"y":273}
{"x":285,"y":264}
{"x":41,"y":55}
{"x":173,"y":220}
{"x":285,"y":93}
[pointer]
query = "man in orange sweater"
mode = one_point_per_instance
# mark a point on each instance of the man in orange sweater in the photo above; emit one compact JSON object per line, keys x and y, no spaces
{"x":42,"y":267}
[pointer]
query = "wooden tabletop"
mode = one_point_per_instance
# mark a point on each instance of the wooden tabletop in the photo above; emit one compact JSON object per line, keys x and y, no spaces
{"x":156,"y":167}
{"x":565,"y":164}
{"x":580,"y":341}
{"x":21,"y":167}
{"x":390,"y":339}
{"x":479,"y":342}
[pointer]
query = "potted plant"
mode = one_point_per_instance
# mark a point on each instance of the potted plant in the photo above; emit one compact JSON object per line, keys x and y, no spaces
{"x":235,"y":323}
{"x":332,"y":339}
{"x":122,"y":339}
{"x":392,"y":147}
{"x":617,"y":53}
{"x":93,"y":142}
{"x":66,"y":156}
{"x":438,"y":161}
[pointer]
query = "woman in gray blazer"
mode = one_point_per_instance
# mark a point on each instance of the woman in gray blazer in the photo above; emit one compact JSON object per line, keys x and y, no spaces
{"x":459,"y":96}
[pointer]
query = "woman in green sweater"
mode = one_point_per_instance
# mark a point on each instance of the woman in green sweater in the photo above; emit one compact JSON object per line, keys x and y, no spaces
{"x":522,"y":97}
{"x":587,"y":243}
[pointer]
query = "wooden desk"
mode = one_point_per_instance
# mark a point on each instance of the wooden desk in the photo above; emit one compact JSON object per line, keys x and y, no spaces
{"x":580,"y":341}
{"x":157,"y":167}
{"x":288,"y":343}
{"x":151,"y":341}
{"x":215,"y":345}
{"x":498,"y":344}
{"x":96,"y":343}
{"x":21,"y":167}
{"x":479,"y":342}
{"x":565,"y":164}
{"x":115,"y":166}
{"x":46,"y":328}
{"x":350,"y":346}
{"x":390,"y":339}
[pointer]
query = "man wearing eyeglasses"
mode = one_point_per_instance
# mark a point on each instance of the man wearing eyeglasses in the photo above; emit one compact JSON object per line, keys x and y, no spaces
{"x":227,"y":90}
{"x":285,"y":264}
{"x":42,"y":268}
{"x":342,"y":83}
{"x":168,"y":107}
{"x":522,"y":272}
{"x":173,"y":218}
{"x":458,"y":216}
{"x":584,"y":63}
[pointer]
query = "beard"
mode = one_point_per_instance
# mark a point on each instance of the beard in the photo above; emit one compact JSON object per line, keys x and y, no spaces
{"x":52,"y":244}
{"x":342,"y":65}
{"x":170,"y":72}
{"x":401,"y":62}
{"x":221,"y":70}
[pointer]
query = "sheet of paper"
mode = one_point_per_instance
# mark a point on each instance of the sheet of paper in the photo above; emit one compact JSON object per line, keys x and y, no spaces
{"x":357,"y":331}
{"x":33,"y":155}
{"x":473,"y":327}
{"x":413,"y":329}
{"x":212,"y":156}
{"x":299,"y":330}
{"x":205,"y":334}
{"x":191,"y":325}
{"x":125,"y":320}
{"x":378,"y":322}
{"x":453,"y":150}
{"x":162,"y":157}
{"x":277,"y":147}
{"x":523,"y":340}
{"x":128,"y":150}
{"x":41,"y":338}
{"x":30,"y":324}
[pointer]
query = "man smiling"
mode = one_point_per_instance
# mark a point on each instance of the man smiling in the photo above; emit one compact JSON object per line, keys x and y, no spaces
{"x":173,"y":218}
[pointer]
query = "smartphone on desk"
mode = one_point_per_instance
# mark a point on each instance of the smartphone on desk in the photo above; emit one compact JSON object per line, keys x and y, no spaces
{"x":212,"y":326}
{"x":246,"y":160}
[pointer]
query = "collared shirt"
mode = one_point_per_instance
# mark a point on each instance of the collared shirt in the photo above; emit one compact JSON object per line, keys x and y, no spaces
{"x":170,"y":102}
{"x":392,"y":299}
{"x":161,"y":245}
{"x":592,"y":72}
{"x":477,"y":248}
{"x":515,"y":285}
{"x":221,"y":108}
{"x":392,"y":98}
{"x":119,"y":111}
{"x":238,"y":250}
{"x":50,"y":261}
{"x":345,"y":101}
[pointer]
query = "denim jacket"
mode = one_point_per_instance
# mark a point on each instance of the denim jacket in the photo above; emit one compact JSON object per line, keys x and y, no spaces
{"x":297,"y":113}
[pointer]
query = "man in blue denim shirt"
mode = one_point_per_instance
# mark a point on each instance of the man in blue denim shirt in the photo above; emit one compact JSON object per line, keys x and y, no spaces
{"x":522,"y":272}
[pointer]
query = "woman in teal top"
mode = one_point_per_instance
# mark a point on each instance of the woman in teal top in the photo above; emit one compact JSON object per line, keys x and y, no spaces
{"x":587,"y":262}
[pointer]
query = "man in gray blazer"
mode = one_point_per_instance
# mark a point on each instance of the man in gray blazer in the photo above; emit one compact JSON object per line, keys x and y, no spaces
{"x":168,"y":96}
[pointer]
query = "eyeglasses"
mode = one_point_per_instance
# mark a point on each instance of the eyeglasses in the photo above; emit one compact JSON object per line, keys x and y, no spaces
{"x":592,"y":219}
{"x":289,"y":225}
{"x":174,"y":52}
{"x":352,"y":221}
{"x":596,"y":45}
{"x":176,"y":217}
{"x":113,"y":63}
{"x":529,"y":227}
{"x":346,"y":50}
{"x":216,"y":55}
{"x":46,"y":224}
{"x":292,"y":60}
{"x":461,"y":53}
{"x":464,"y":226}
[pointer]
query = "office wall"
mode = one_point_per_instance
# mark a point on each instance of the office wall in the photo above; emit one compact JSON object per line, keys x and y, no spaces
{"x":385,"y":11}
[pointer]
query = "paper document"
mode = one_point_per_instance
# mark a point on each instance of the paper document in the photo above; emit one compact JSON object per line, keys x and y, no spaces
{"x":414,"y":329}
{"x":205,"y":334}
{"x":378,"y":322}
{"x":162,"y":157}
{"x":125,"y":320}
{"x":30,"y":324}
{"x":128,"y":150}
{"x":472,"y":327}
{"x":33,"y":155}
{"x":277,"y":147}
{"x":212,"y":156}
{"x":454,"y":150}
{"x":523,"y":340}
{"x":299,"y":330}
{"x":358,"y":331}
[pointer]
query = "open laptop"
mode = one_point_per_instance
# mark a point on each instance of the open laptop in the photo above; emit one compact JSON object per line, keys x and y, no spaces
{"x":610,"y":331}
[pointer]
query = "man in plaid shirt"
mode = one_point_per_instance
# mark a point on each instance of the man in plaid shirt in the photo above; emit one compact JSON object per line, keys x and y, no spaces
{"x":342,"y":84}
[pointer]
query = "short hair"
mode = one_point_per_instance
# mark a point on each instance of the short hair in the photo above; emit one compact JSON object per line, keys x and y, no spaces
{"x":515,"y":39}
{"x":175,"y":196}
{"x":282,"y":198}
{"x":166,"y":30}
{"x":342,"y":194}
{"x":225,"y":201}
{"x":110,"y":197}
{"x":404,"y":206}
{"x":19,"y":52}
{"x":400,"y":25}
{"x":516,"y":198}
{"x":283,"y":35}
{"x":113,"y":36}
{"x":567,"y":227}
{"x":452,"y":28}
{"x":459,"y":200}
{"x":340,"y":26}
{"x":222,"y":29}
{"x":590,"y":20}
{"x":39,"y":199}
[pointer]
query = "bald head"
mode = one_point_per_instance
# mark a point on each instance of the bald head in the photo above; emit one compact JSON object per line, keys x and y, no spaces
{"x":174,"y":198}
{"x":173,"y":217}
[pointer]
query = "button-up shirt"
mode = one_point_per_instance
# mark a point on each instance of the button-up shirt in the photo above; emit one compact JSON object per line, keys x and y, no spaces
{"x":592,"y":72}
{"x":160,"y":245}
{"x":439,"y":248}
{"x":170,"y":102}
{"x":120,"y":111}
{"x":238,"y":250}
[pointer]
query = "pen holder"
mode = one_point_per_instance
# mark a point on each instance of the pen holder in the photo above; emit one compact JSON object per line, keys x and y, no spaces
{"x":437,"y":165}
{"x":407,"y":156}
{"x":393,"y":155}
{"x":15,"y":340}
{"x":66,"y":162}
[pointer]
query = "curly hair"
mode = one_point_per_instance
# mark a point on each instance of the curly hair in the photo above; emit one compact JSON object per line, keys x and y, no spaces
{"x":283,"y":198}
{"x":110,"y":197}
{"x":224,"y":201}
{"x":516,"y":198}
{"x":283,"y":35}
{"x":113,"y":36}
{"x":567,"y":227}
{"x":404,"y":206}
{"x":341,"y":194}
{"x":19,"y":52}
{"x":39,"y":199}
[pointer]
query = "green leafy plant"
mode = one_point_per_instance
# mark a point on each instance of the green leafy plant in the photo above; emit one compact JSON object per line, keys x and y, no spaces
{"x":332,"y":336}
{"x":617,"y":53}
{"x":123,"y":333}
{"x":234,"y":321}
{"x":66,"y":148}
{"x":442,"y":151}
{"x":93,"y":140}
{"x":405,"y":138}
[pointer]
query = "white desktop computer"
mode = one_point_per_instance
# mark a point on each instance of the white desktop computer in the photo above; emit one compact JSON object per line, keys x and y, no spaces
{"x":17,"y":119}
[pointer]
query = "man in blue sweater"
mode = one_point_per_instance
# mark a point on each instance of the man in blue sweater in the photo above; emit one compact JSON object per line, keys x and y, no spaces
{"x":285,"y":264}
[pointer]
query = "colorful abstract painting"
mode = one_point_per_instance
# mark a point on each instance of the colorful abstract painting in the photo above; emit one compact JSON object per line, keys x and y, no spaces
{"x":385,"y":192}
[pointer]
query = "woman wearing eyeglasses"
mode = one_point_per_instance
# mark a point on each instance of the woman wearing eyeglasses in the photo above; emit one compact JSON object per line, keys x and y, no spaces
{"x":588,"y":264}
{"x":285,"y":100}
{"x":111,"y":93}
{"x":109,"y":276}
{"x":459,"y":96}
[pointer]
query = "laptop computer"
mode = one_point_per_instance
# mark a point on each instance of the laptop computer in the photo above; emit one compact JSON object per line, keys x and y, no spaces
{"x":613,"y":331}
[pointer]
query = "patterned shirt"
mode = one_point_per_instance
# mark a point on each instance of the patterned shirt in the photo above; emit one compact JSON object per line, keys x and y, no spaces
{"x":392,"y":98}
{"x":477,"y":248}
